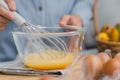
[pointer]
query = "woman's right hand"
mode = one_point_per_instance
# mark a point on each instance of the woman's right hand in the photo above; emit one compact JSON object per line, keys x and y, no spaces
{"x":5,"y":15}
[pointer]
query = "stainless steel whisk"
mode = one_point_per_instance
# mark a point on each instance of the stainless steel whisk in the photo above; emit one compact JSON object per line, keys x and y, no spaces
{"x":29,"y":28}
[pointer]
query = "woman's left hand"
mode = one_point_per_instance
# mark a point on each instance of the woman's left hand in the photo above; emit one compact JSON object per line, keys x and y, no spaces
{"x":74,"y":20}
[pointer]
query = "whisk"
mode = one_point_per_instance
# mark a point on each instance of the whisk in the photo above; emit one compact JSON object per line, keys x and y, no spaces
{"x":38,"y":44}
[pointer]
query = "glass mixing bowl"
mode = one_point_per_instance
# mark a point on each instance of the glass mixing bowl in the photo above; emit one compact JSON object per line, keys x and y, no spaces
{"x":48,"y":48}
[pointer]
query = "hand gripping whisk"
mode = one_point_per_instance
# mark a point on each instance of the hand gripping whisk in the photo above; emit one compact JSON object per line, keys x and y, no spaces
{"x":38,"y":44}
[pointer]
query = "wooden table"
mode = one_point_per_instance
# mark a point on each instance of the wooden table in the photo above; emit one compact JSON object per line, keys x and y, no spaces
{"x":16,"y":77}
{"x":72,"y":73}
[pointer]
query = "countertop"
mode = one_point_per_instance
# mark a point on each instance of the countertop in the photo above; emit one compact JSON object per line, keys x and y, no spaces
{"x":19,"y":77}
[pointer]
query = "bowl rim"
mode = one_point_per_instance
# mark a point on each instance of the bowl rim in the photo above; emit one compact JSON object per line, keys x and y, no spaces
{"x":76,"y":31}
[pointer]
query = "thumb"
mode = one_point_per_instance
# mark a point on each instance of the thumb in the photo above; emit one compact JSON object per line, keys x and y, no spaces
{"x":64,"y":20}
{"x":11,"y":4}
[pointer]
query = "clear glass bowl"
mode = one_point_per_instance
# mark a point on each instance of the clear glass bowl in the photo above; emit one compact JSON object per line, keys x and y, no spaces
{"x":48,"y":48}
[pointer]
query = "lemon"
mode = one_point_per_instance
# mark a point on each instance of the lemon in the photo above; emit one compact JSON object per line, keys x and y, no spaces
{"x":103,"y":36}
{"x":107,"y":29}
{"x":115,"y":35}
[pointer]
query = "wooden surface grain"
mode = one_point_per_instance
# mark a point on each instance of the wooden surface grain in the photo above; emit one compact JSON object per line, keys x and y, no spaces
{"x":15,"y":77}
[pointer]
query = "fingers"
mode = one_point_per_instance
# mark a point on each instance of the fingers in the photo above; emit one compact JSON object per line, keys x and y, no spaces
{"x":80,"y":48}
{"x":64,"y":20}
{"x":11,"y":4}
{"x":3,"y":20}
{"x":2,"y":27}
{"x":74,"y":20}
{"x":3,"y":23}
{"x":5,"y":13}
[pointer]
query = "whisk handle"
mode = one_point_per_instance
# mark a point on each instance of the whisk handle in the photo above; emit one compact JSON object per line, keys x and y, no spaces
{"x":18,"y":19}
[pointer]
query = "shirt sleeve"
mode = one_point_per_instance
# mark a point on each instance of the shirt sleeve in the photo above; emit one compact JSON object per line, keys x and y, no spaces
{"x":84,"y":9}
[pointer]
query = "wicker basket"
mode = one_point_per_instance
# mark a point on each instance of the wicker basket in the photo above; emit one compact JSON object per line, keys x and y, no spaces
{"x":102,"y":45}
{"x":113,"y":46}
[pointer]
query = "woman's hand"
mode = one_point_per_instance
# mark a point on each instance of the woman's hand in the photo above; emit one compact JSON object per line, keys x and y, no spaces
{"x":74,"y":20}
{"x":5,"y":15}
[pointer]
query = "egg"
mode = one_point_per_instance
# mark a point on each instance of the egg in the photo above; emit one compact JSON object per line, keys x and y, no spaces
{"x":79,"y":62}
{"x":94,"y":66}
{"x":34,"y":61}
{"x":111,"y":66}
{"x":77,"y":69}
{"x":117,"y":55}
{"x":104,"y":57}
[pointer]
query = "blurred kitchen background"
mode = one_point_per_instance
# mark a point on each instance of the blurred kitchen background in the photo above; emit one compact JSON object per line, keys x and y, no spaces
{"x":108,"y":13}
